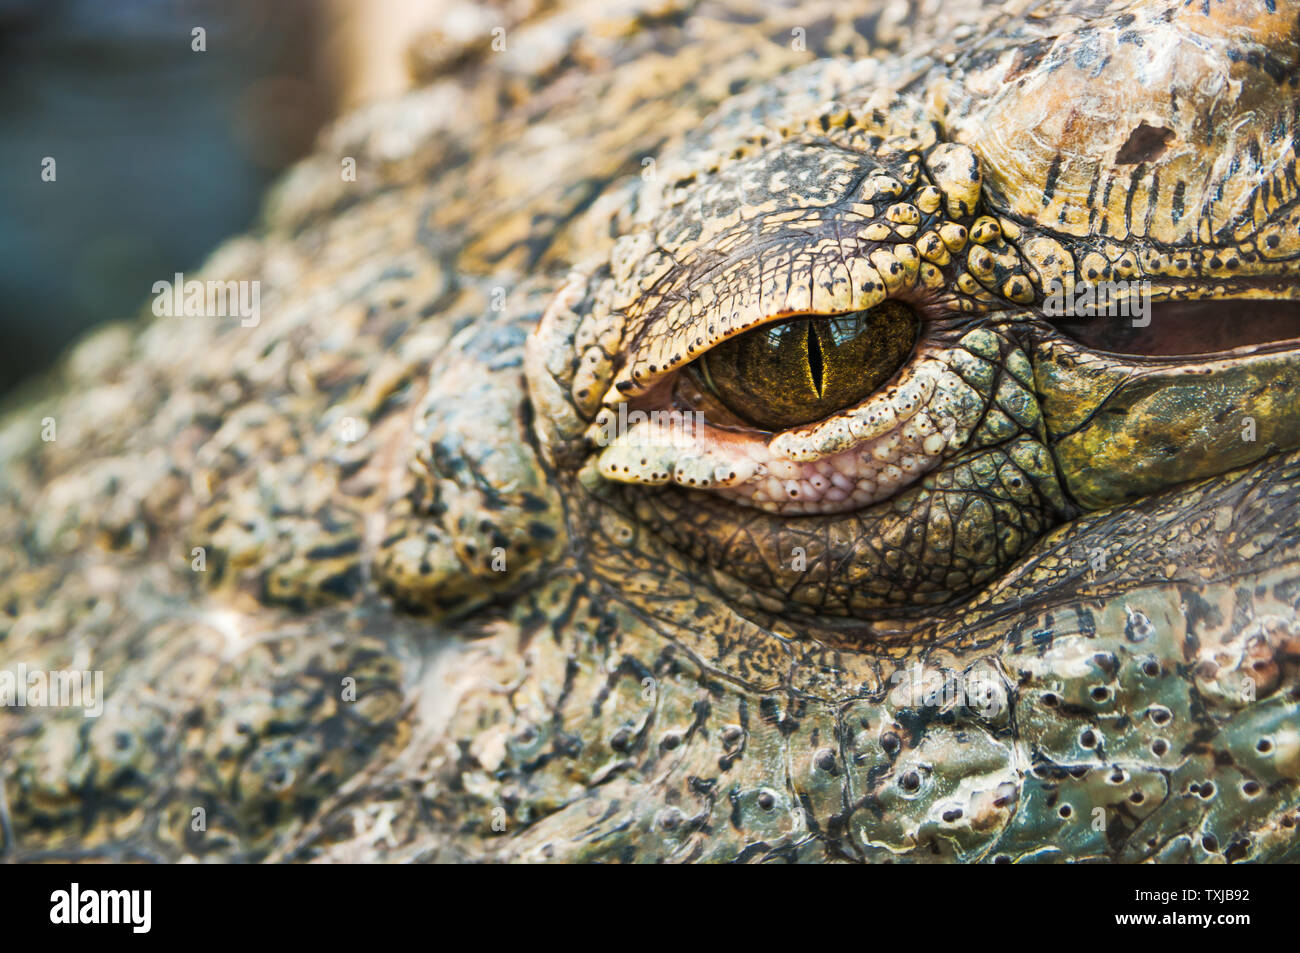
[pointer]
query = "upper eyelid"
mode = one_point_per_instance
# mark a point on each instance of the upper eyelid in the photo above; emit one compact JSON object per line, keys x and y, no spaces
{"x":932,"y":308}
{"x":666,"y":331}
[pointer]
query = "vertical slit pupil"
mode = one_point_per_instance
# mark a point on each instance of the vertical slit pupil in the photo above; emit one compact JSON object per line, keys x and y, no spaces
{"x":815,"y":365}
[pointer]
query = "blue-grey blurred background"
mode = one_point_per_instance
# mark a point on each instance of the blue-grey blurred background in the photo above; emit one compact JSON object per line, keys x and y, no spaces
{"x":160,"y":151}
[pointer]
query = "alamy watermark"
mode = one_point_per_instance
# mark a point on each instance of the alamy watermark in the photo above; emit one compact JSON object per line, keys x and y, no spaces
{"x":208,"y":299}
{"x":1116,"y":299}
{"x":131,"y":908}
{"x":919,"y":687}
{"x":662,"y":428}
{"x":34,"y":688}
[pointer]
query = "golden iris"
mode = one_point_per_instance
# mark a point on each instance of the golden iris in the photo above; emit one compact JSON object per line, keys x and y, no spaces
{"x":805,"y":369}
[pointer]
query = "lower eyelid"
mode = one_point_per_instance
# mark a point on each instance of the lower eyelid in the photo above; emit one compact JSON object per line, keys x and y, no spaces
{"x":852,"y":460}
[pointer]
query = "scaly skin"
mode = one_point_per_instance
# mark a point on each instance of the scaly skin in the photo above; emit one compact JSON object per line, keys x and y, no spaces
{"x":440,"y":618}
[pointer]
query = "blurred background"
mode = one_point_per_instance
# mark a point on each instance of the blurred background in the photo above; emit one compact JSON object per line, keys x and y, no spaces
{"x":160,"y":150}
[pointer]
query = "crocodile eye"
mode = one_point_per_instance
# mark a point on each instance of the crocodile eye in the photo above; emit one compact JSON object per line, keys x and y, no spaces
{"x":804,"y":369}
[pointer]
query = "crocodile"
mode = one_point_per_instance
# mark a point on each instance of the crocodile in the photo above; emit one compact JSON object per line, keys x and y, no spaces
{"x":658,"y":439}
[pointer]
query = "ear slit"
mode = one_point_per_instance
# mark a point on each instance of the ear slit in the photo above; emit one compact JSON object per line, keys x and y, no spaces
{"x":1200,"y":327}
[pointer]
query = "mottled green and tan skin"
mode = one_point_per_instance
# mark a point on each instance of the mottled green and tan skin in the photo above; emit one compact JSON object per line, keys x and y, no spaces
{"x":365,"y":583}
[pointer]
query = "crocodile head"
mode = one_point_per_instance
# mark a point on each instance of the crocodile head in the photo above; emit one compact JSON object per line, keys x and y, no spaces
{"x":793,"y":499}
